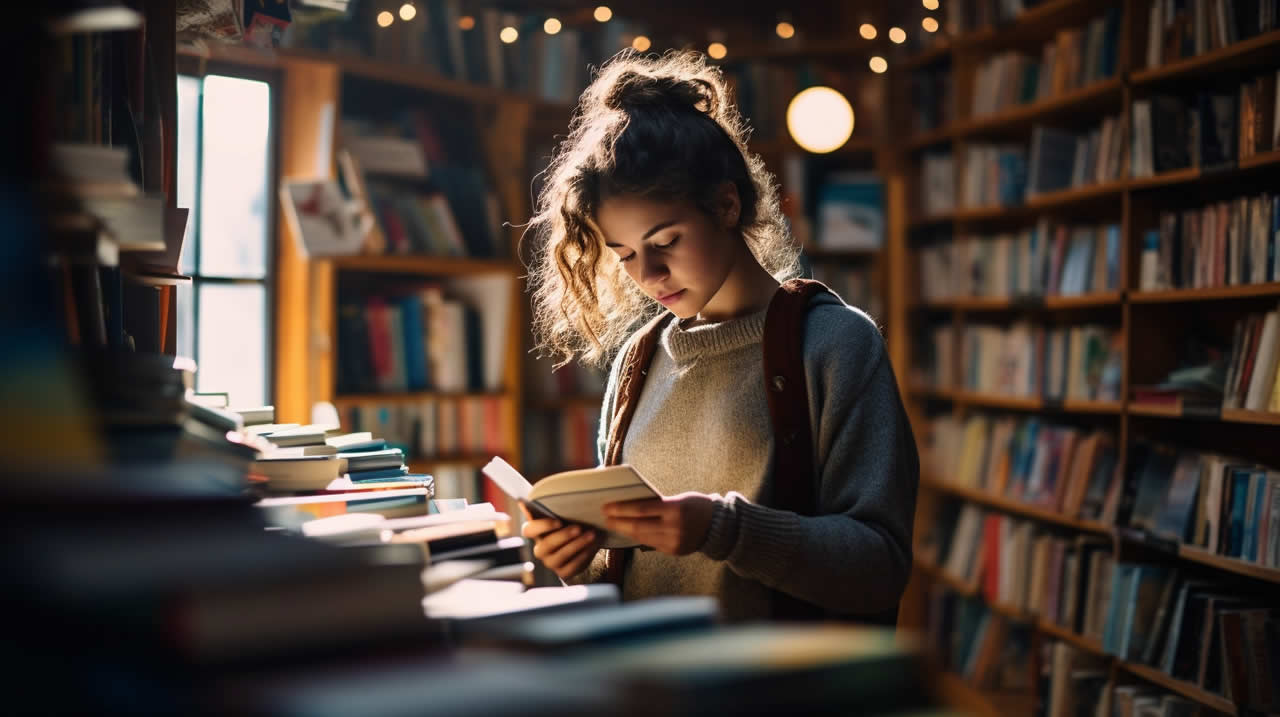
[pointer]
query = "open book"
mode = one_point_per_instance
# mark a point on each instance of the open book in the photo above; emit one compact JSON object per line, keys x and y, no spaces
{"x":574,"y":496}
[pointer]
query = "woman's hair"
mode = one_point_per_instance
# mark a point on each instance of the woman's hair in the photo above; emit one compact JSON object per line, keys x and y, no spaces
{"x":659,"y":127}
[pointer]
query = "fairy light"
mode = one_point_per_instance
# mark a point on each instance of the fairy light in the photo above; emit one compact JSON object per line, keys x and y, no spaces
{"x":603,"y":13}
{"x":868,"y":31}
{"x":717,"y":50}
{"x":785,"y":30}
{"x":930,"y":4}
{"x":466,"y":22}
{"x":640,"y":44}
{"x":929,"y":24}
{"x":551,"y":26}
{"x":878,"y":64}
{"x":385,"y":18}
{"x":897,"y":35}
{"x":509,"y":34}
{"x":408,"y":12}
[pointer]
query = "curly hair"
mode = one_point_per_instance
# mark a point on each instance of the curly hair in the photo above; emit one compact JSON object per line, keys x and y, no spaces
{"x":660,"y":127}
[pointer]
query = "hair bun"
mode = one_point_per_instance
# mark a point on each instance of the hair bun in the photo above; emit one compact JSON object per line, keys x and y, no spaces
{"x":634,"y":89}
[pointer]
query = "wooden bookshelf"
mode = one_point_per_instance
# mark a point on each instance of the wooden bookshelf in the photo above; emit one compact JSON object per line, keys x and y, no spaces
{"x":558,"y":403}
{"x":1218,"y":293}
{"x":1133,"y":203}
{"x":939,"y":52}
{"x":424,"y":265}
{"x":354,"y":399}
{"x":1015,"y":507}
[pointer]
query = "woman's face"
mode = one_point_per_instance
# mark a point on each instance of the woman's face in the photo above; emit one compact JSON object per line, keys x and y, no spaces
{"x":675,"y":252}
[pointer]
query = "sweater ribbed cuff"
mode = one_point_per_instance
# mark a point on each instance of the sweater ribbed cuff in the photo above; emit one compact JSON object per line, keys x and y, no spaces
{"x":723,"y":532}
{"x":767,"y":541}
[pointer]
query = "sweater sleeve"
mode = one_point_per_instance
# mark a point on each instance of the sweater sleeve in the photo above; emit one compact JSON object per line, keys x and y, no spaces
{"x":855,"y":555}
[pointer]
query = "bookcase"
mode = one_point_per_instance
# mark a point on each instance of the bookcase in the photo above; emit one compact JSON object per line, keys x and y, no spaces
{"x":994,"y":352}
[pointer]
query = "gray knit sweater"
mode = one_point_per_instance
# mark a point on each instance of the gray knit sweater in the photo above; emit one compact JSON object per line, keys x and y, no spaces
{"x":702,"y":424}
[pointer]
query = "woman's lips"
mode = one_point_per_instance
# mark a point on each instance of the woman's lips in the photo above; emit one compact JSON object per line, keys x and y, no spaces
{"x":670,"y":299}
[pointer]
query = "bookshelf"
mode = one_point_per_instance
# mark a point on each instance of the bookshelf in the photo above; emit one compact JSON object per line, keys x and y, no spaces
{"x":1149,"y":322}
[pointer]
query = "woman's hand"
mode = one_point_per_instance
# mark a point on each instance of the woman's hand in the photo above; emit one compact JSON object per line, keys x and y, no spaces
{"x":566,"y":549}
{"x":677,"y":525}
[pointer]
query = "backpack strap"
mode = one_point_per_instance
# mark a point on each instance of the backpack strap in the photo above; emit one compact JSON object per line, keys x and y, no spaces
{"x":635,"y":366}
{"x":788,"y":399}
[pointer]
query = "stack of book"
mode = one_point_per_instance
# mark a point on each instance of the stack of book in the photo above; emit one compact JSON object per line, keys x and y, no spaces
{"x":1209,"y":130}
{"x":1082,"y":362}
{"x":1077,"y":57}
{"x":1220,"y":244}
{"x":1176,"y":31}
{"x":1044,"y":260}
{"x":1226,"y":506}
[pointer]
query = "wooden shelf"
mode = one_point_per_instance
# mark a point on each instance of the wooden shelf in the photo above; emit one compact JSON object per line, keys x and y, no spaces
{"x":1164,"y":179}
{"x":1217,"y":293}
{"x":1020,"y":403}
{"x":1233,"y":565}
{"x":1088,"y":644}
{"x":350,"y":399}
{"x":1260,"y":160}
{"x":932,"y":137}
{"x":1078,"y":101}
{"x":1075,"y":195}
{"x":1186,"y":689}
{"x":821,"y":254}
{"x":955,"y":692}
{"x":1007,"y":505}
{"x":1257,"y":418}
{"x":1155,"y":409}
{"x":421,"y":78}
{"x":1047,"y":303}
{"x":424,"y":265}
{"x":935,"y":572}
{"x":1237,"y":55}
{"x":929,"y":220}
{"x":941,"y":394}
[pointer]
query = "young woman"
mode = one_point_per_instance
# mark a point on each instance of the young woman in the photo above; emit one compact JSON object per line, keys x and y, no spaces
{"x":653,"y":205}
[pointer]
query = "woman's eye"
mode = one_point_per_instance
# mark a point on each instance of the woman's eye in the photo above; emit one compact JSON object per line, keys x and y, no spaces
{"x":625,"y":259}
{"x":674,"y":239}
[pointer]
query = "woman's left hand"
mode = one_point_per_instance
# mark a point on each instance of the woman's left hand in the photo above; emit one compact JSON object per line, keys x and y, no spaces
{"x":677,"y":525}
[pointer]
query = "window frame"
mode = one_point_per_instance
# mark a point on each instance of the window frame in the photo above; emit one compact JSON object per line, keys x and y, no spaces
{"x":201,"y":68}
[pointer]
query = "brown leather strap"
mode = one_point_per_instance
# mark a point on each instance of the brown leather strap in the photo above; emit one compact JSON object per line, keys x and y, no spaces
{"x":635,"y":366}
{"x":788,"y":398}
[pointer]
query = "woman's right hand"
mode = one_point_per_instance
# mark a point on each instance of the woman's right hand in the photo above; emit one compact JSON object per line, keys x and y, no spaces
{"x":566,"y":549}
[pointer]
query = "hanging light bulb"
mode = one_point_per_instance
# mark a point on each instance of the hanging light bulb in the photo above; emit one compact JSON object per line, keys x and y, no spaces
{"x":785,"y":30}
{"x":466,"y":22}
{"x":929,"y":24}
{"x":509,"y":34}
{"x":640,"y":44}
{"x":603,"y":13}
{"x":408,"y":12}
{"x":897,"y":35}
{"x":385,"y":19}
{"x":717,"y":50}
{"x":820,"y":119}
{"x":551,"y":26}
{"x":868,"y":31}
{"x":878,"y":64}
{"x":930,"y":4}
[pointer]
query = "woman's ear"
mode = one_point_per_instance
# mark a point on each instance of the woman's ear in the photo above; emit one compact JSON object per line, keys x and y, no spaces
{"x":729,"y":204}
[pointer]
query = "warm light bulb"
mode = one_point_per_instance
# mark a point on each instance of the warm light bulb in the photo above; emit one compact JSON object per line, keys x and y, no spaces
{"x":385,"y":19}
{"x":603,"y":13}
{"x":868,"y":31}
{"x":929,"y":24}
{"x":930,"y":4}
{"x":640,"y":44}
{"x":786,"y":30}
{"x":408,"y":12}
{"x":551,"y":26}
{"x":897,"y":35}
{"x":509,"y":34}
{"x":717,"y":50}
{"x":466,"y":22}
{"x":878,"y":64}
{"x":820,"y":119}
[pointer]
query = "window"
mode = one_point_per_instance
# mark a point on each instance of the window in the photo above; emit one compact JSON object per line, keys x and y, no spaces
{"x":224,"y":177}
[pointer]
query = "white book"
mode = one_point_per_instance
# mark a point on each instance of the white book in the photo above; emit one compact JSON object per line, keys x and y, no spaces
{"x":1264,"y":367}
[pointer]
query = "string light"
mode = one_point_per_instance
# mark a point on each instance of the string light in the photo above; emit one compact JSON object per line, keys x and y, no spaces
{"x":868,"y":31}
{"x":785,"y":30}
{"x":929,"y":24}
{"x":509,"y":34}
{"x":819,"y":119}
{"x":466,"y":22}
{"x":878,"y":64}
{"x":717,"y":50}
{"x":408,"y":12}
{"x":551,"y":26}
{"x":385,"y":19}
{"x":640,"y":44}
{"x":897,"y":35}
{"x":603,"y":13}
{"x":930,"y":4}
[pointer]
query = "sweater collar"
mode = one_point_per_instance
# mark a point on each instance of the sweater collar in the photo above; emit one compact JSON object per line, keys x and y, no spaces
{"x":714,"y":339}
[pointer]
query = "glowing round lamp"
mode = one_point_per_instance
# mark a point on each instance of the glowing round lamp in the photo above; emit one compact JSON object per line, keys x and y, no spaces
{"x":820,"y":120}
